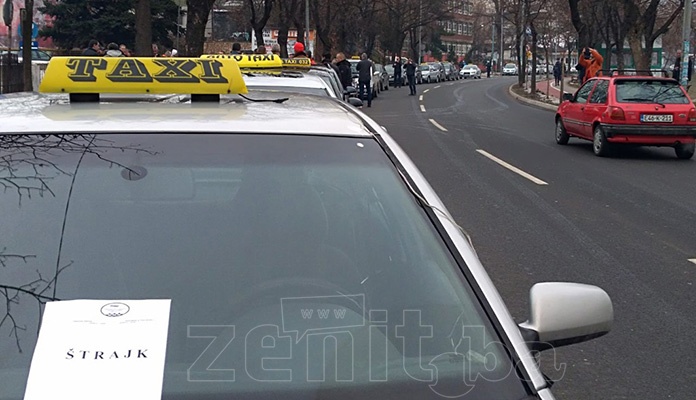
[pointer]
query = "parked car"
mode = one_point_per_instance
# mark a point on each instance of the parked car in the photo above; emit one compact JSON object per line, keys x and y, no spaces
{"x":382,"y":77}
{"x":37,"y":55}
{"x":632,"y":110}
{"x":354,"y":72}
{"x":450,"y":71}
{"x":430,"y":72}
{"x":245,"y":250}
{"x":470,"y":71}
{"x":510,"y":69}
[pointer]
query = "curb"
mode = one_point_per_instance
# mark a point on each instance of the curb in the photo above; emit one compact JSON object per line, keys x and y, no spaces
{"x":531,"y":102}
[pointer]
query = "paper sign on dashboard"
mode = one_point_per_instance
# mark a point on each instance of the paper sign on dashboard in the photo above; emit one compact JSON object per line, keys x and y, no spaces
{"x":100,"y":349}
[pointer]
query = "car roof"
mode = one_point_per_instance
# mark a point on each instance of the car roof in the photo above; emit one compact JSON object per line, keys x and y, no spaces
{"x":39,"y":113}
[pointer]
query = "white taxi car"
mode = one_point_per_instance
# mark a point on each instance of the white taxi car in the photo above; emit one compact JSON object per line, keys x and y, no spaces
{"x":299,"y":251}
{"x":510,"y":69}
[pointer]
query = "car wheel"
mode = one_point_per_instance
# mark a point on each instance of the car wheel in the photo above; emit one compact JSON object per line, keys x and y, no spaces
{"x":685,"y":150}
{"x":600,"y":146}
{"x":561,"y":133}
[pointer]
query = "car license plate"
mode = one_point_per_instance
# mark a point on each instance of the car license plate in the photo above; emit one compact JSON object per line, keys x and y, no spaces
{"x":656,"y":118}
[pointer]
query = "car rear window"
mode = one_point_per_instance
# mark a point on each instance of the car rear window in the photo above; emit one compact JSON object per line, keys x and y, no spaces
{"x":649,"y":91}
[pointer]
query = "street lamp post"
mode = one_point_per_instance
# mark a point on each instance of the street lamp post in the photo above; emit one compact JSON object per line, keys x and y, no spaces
{"x":492,"y":42}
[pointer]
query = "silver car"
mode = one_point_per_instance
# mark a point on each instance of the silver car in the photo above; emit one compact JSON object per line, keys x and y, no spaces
{"x":470,"y":71}
{"x":300,"y":252}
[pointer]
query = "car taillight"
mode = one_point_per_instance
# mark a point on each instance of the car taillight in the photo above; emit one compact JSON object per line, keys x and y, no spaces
{"x":692,"y":115}
{"x":617,"y":113}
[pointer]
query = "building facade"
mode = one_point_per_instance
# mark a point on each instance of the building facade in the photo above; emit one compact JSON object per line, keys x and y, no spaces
{"x":458,"y":28}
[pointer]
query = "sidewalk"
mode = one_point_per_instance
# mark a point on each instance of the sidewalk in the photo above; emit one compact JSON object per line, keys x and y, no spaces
{"x":548,"y":87}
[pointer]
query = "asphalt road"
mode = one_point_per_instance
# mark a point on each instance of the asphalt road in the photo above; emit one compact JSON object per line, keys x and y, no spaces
{"x":626,"y":224}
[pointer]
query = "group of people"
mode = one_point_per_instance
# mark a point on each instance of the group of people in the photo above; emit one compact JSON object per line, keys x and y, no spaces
{"x":409,"y":70}
{"x":95,"y":49}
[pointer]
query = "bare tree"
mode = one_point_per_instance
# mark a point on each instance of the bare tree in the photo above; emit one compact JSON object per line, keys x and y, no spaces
{"x":647,"y":21}
{"x":260,"y":13}
{"x":198,"y":12}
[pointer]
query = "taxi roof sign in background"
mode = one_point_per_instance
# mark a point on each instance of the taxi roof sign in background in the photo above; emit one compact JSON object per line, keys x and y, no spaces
{"x":142,"y":76}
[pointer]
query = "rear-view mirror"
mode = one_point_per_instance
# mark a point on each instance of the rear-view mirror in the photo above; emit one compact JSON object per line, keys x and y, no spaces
{"x":565,"y":313}
{"x":355,"y":101}
{"x":567,"y":96}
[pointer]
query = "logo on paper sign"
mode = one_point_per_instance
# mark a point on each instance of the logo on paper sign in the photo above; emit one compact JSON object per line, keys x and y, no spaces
{"x":115,"y":309}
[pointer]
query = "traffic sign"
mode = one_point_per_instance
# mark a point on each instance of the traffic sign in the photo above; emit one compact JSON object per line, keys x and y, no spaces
{"x":7,"y":12}
{"x":34,"y":30}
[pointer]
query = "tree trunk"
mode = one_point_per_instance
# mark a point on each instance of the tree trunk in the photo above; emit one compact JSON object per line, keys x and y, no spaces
{"x":143,"y":29}
{"x":534,"y":60}
{"x":197,"y":18}
{"x":640,"y":60}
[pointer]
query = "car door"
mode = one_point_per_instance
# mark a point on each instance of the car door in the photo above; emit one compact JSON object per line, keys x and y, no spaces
{"x":574,"y":118}
{"x":597,"y":103}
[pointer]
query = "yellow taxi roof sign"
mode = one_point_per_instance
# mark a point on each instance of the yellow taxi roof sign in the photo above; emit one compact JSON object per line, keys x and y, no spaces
{"x":297,"y":63}
{"x":249,"y":61}
{"x":142,"y":75}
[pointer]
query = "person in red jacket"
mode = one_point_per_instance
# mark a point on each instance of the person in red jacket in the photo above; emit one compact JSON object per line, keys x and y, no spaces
{"x":592,"y":61}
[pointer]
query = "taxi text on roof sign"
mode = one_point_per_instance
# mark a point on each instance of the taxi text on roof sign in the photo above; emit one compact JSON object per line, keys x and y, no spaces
{"x":142,"y":76}
{"x":249,"y":61}
{"x":263,"y":61}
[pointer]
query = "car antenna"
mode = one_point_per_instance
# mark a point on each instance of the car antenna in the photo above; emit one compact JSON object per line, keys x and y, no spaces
{"x":279,"y":101}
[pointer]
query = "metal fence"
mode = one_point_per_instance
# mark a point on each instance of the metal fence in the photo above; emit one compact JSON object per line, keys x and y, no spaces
{"x":11,"y":74}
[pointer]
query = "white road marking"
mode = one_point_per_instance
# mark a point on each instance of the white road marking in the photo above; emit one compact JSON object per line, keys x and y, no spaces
{"x":422,"y":108}
{"x":438,"y":126}
{"x":426,"y":90}
{"x":511,"y":167}
{"x":437,"y":86}
{"x":420,"y":98}
{"x":693,"y":260}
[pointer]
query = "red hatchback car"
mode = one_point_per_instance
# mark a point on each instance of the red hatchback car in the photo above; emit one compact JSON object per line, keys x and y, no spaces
{"x":629,"y":109}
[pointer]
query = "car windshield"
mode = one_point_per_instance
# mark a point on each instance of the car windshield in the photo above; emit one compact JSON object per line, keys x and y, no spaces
{"x":389,"y":68}
{"x":510,"y":65}
{"x":424,"y":68}
{"x":649,"y":91}
{"x":298,"y":265}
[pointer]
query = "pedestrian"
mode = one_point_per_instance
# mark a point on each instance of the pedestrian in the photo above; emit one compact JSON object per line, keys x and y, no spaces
{"x":676,"y":71}
{"x":397,"y":72}
{"x":275,"y":49}
{"x":112,"y":50}
{"x":581,"y":73}
{"x":261,"y":49}
{"x":299,"y":50}
{"x":557,"y":72}
{"x":364,"y":68}
{"x":155,"y":50}
{"x":410,"y":69}
{"x":236,"y":48}
{"x":344,"y":72}
{"x":93,"y":49}
{"x":592,"y":61}
{"x":326,"y":61}
{"x":124,"y":50}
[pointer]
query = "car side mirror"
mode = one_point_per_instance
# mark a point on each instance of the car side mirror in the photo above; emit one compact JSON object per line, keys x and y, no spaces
{"x":568,"y":97}
{"x":354,"y":101}
{"x":350,"y":89}
{"x":565,"y":313}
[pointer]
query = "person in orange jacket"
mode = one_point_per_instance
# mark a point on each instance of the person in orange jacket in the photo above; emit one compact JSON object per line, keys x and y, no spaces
{"x":592,"y":61}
